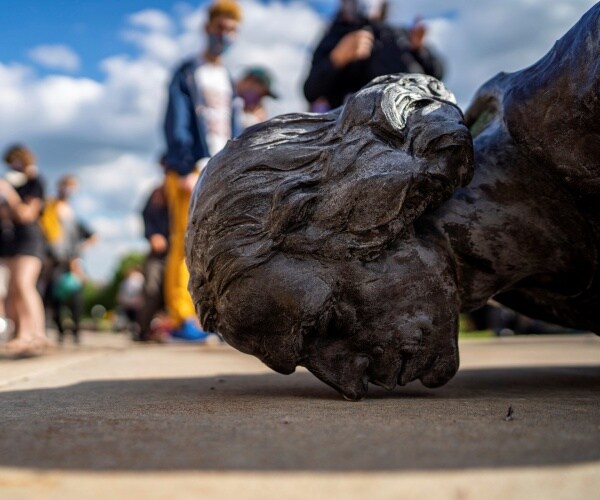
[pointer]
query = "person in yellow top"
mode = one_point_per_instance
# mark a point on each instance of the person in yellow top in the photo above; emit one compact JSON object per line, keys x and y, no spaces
{"x":66,"y":237}
{"x":203,"y":113}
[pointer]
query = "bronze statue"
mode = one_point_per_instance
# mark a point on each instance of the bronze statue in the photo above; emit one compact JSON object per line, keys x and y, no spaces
{"x":349,"y":242}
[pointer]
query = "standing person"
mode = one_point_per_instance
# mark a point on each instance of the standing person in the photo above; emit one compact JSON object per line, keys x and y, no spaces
{"x":66,"y":237}
{"x":22,"y":246}
{"x":130,"y":297}
{"x":202,"y":115}
{"x":253,"y":87}
{"x":360,"y":46}
{"x":67,"y":294}
{"x":156,"y":230}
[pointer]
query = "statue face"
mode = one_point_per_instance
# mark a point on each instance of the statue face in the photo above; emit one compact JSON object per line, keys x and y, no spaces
{"x":387,"y":322}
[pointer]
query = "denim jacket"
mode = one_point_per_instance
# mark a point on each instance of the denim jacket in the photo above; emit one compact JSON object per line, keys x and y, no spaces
{"x":184,"y":126}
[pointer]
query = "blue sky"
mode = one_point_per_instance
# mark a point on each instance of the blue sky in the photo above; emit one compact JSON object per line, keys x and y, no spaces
{"x":92,"y":27}
{"x":83,"y":82}
{"x":88,"y":26}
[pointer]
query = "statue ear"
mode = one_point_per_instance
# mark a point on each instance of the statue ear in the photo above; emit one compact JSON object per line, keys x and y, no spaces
{"x":276,"y":302}
{"x":387,"y":102}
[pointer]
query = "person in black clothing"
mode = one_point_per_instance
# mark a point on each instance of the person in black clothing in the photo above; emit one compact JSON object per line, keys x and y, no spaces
{"x":156,"y":230}
{"x":360,"y":46}
{"x":22,"y":246}
{"x":67,"y":296}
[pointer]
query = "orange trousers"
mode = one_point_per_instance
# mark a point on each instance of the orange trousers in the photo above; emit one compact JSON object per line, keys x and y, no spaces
{"x":178,"y":301}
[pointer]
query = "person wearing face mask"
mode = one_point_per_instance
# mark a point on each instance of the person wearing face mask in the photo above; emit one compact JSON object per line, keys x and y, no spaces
{"x":67,"y":236}
{"x":253,"y":87}
{"x":203,"y":113}
{"x":22,"y":249}
{"x":359,"y":46}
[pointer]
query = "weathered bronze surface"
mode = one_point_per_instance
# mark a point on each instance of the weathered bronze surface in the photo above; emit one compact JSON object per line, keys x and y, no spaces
{"x":349,"y":242}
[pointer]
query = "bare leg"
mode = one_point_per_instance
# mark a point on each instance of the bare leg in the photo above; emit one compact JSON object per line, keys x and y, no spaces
{"x":11,"y":306}
{"x":3,"y":287}
{"x":27,"y":304}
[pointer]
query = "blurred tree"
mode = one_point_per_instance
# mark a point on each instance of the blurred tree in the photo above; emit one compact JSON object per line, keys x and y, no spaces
{"x":106,"y":295}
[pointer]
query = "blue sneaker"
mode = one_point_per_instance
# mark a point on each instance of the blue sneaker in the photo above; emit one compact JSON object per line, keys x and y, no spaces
{"x":190,"y":331}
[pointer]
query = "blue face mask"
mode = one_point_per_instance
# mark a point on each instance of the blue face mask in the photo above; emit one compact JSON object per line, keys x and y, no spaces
{"x":219,"y":44}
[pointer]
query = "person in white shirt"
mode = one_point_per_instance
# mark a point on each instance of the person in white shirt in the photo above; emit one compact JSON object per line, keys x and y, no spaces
{"x":202,"y":115}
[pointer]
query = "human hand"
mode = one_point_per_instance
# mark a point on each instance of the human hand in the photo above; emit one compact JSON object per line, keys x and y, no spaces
{"x":158,"y":243}
{"x":188,"y":182}
{"x":352,"y":47}
{"x":8,"y":193}
{"x":416,"y":35}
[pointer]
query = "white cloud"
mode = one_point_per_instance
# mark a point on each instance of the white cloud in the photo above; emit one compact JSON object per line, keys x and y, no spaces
{"x":108,"y":131}
{"x":59,"y":57}
{"x":112,"y":195}
{"x":152,"y":19}
{"x":480,"y":39}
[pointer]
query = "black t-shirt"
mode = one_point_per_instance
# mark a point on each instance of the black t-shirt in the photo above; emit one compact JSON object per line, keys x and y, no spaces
{"x":156,"y":216}
{"x":33,"y":188}
{"x":391,"y":54}
{"x":17,"y":238}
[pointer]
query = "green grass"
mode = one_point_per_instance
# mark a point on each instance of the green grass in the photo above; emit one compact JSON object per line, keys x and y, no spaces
{"x":483,"y":334}
{"x":464,"y":331}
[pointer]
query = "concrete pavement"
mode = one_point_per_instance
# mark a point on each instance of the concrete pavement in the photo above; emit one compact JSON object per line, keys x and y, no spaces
{"x":112,"y":419}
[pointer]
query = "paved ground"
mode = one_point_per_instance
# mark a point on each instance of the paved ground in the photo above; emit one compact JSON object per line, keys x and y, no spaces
{"x":114,"y":420}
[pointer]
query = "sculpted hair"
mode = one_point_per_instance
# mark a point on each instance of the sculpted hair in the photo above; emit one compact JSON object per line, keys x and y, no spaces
{"x":340,"y":185}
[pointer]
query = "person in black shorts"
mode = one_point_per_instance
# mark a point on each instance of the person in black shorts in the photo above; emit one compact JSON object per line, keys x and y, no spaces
{"x":22,"y":247}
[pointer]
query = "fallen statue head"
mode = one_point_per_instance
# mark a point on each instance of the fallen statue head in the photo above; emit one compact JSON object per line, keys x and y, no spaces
{"x":349,"y":242}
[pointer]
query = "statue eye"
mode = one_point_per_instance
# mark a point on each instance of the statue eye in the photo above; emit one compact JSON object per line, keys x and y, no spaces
{"x":337,"y":324}
{"x":326,"y":326}
{"x":333,"y":326}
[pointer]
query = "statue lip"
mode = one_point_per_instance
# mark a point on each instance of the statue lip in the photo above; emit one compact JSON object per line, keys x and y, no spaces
{"x":390,"y":382}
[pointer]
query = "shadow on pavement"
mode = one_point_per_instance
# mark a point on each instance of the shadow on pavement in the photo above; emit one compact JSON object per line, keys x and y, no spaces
{"x":270,"y":422}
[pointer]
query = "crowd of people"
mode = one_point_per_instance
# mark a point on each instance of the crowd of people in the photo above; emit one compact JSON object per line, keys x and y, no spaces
{"x":40,"y":243}
{"x":41,"y":238}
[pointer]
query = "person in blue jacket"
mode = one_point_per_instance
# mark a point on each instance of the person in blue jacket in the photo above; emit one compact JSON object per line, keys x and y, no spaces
{"x":202,"y":115}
